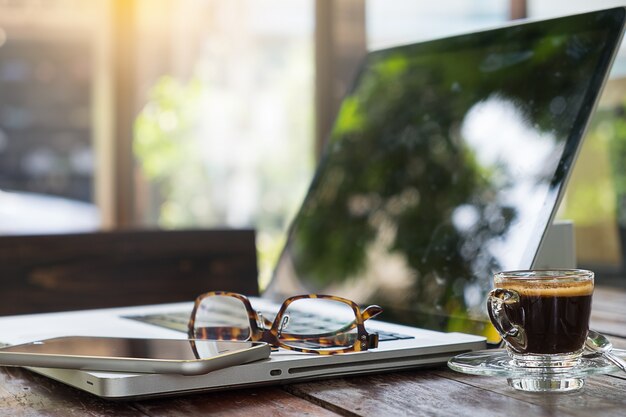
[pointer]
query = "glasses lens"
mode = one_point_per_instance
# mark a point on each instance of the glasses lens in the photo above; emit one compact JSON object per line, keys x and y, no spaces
{"x":314,"y":323}
{"x":222,"y":318}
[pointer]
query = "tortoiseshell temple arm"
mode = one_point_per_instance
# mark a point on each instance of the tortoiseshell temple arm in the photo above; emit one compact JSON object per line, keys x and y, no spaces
{"x":267,"y":323}
{"x":371,"y":312}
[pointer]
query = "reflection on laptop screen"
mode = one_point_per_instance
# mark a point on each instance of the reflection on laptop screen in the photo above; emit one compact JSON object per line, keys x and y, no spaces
{"x":445,"y":164}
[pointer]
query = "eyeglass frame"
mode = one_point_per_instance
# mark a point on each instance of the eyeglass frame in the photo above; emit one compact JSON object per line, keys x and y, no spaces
{"x":271,"y":335}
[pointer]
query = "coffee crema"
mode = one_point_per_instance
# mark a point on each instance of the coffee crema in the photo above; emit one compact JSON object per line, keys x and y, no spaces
{"x":554,"y":316}
{"x":548,"y":288}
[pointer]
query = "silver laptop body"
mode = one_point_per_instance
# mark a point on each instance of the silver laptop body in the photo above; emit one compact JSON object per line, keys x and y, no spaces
{"x":420,"y":348}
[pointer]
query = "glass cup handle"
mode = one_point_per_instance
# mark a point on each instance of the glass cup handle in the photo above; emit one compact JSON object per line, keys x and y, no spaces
{"x":511,"y":333}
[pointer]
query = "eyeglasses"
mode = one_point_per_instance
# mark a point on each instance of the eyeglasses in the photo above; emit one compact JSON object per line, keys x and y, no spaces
{"x":322,"y":324}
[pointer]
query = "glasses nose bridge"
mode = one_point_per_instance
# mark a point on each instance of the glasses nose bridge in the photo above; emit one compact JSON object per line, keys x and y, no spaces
{"x":261,"y":321}
{"x":284,"y":322}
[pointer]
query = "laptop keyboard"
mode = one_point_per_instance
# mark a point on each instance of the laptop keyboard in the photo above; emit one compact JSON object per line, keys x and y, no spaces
{"x":178,"y":321}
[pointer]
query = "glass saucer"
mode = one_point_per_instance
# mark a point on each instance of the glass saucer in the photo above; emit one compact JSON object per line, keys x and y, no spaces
{"x":498,"y":363}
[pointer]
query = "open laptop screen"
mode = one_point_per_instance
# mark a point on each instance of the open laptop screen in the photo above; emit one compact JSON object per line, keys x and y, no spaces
{"x":445,"y":164}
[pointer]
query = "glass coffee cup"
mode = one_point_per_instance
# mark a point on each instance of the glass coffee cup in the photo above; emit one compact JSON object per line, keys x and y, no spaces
{"x":542,"y":315}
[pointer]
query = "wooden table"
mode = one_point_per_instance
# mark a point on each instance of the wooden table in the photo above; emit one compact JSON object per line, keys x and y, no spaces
{"x":436,"y":391}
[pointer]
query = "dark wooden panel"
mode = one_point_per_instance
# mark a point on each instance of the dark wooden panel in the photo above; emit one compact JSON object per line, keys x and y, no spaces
{"x":93,"y":270}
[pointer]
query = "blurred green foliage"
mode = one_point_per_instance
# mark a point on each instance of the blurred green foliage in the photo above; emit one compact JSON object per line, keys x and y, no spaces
{"x":192,"y":185}
{"x":168,"y":149}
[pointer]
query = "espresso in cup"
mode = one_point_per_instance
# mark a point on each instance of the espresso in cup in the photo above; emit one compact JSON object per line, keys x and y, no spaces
{"x":543,"y":316}
{"x":554,"y":316}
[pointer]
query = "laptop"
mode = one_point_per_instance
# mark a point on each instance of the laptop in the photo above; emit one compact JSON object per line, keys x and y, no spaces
{"x":446,"y":163}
